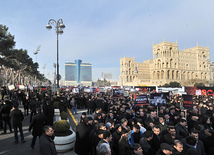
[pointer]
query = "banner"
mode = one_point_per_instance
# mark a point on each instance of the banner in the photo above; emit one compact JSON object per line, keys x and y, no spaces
{"x":141,"y":100}
{"x":158,"y":99}
{"x":117,"y":93}
{"x":198,"y":92}
{"x":22,"y":87}
{"x":126,"y":93}
{"x":11,"y":87}
{"x":75,"y":90}
{"x":188,"y":101}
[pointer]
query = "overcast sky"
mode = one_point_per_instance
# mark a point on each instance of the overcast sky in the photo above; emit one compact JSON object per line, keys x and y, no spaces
{"x":103,"y":31}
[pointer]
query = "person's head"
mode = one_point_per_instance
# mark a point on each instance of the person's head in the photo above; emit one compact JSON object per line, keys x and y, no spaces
{"x":124,"y":121}
{"x":156,"y":130}
{"x":190,"y":140}
{"x":136,"y":128}
{"x":38,"y":110}
{"x":166,"y":116}
{"x":166,"y":148}
{"x":100,"y":133}
{"x":148,"y":135}
{"x":48,"y":130}
{"x":161,"y":119}
{"x":183,"y":122}
{"x":90,"y":120}
{"x":152,"y":114}
{"x":103,"y":149}
{"x":83,"y":114}
{"x":172,"y":131}
{"x":118,"y":128}
{"x":194,"y":117}
{"x":194,"y":133}
{"x":102,"y":126}
{"x":136,"y":148}
{"x":178,"y":145}
{"x":14,"y":107}
{"x":107,"y":135}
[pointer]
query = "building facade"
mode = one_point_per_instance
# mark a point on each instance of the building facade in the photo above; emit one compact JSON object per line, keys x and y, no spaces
{"x":106,"y":75}
{"x":168,"y":64}
{"x":78,"y":73}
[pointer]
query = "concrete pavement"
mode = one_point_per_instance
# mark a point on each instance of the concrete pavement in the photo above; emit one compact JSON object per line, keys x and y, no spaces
{"x":8,"y":147}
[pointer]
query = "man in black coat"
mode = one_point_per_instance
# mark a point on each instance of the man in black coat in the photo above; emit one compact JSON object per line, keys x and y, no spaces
{"x":165,"y":149}
{"x":82,"y":146}
{"x":124,"y":147}
{"x":26,"y":102}
{"x":200,"y":145}
{"x":17,"y":118}
{"x":38,"y":122}
{"x":181,"y":130}
{"x":46,"y":143}
{"x":5,"y":112}
{"x":49,"y":112}
{"x":146,"y":143}
{"x":33,"y":107}
{"x":209,"y":141}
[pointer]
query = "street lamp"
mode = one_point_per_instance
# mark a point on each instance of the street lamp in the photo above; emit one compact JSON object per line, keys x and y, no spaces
{"x":35,"y":53}
{"x":59,"y":26}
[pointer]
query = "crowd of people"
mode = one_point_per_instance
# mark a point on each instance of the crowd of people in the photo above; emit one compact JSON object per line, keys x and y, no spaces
{"x":115,"y":126}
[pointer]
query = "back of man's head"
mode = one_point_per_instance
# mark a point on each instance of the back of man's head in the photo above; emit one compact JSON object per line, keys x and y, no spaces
{"x":103,"y":149}
{"x":191,"y":140}
{"x":106,"y":134}
{"x":148,"y":134}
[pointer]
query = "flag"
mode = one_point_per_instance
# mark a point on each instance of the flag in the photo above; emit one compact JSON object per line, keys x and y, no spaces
{"x":136,"y":69}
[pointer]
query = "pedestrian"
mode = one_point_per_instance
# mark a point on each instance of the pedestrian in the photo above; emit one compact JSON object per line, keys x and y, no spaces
{"x":82,"y":138}
{"x":49,"y":112}
{"x":73,"y":104}
{"x":17,"y":118}
{"x":33,"y":107}
{"x":26,"y":102}
{"x":46,"y":143}
{"x":5,"y":112}
{"x":38,"y":122}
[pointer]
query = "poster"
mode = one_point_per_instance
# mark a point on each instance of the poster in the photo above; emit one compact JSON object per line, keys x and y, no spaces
{"x":188,"y":102}
{"x":22,"y":87}
{"x":198,"y":92}
{"x":158,"y":99}
{"x":11,"y":87}
{"x":141,"y":100}
{"x":126,"y":93}
{"x":75,"y":90}
{"x":117,"y":93}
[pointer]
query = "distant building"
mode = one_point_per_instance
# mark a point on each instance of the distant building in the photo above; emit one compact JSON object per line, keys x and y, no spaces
{"x":78,"y":73}
{"x":169,"y":64}
{"x":106,"y":75}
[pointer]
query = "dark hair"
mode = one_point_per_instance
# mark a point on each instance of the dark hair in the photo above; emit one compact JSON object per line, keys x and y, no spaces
{"x":194,"y":131}
{"x":46,"y":128}
{"x":135,"y":146}
{"x":156,"y":126}
{"x":15,"y":106}
{"x":38,"y":110}
{"x":197,"y":127}
{"x":101,"y":125}
{"x":177,"y":142}
{"x":136,"y":126}
{"x":106,"y":134}
{"x":171,"y":128}
{"x":148,"y":134}
{"x":191,"y":140}
{"x":182,"y":120}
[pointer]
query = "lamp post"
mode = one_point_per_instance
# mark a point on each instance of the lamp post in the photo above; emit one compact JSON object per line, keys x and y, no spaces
{"x":59,"y":26}
{"x":35,"y":53}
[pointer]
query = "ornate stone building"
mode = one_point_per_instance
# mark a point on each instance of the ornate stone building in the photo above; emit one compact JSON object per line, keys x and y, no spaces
{"x":168,"y":64}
